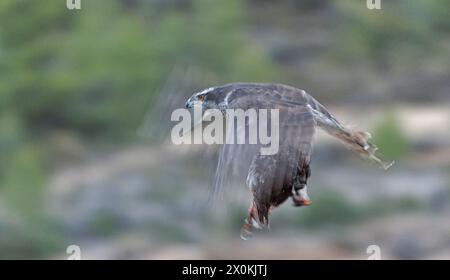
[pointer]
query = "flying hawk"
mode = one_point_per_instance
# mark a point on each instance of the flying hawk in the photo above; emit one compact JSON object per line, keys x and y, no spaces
{"x":273,"y":179}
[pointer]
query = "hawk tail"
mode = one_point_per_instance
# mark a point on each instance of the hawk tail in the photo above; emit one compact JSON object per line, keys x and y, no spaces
{"x":358,"y":141}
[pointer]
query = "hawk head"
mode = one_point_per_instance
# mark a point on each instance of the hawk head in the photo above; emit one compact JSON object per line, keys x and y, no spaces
{"x":210,"y":98}
{"x":205,"y":98}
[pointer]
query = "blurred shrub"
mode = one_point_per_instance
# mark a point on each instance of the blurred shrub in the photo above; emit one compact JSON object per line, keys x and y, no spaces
{"x":95,"y":70}
{"x":29,"y":242}
{"x":390,"y":206}
{"x":390,"y":139}
{"x":25,"y":231}
{"x":372,"y":33}
{"x":104,"y":223}
{"x":23,"y":181}
{"x":333,"y":208}
{"x":304,"y":5}
{"x":330,"y":208}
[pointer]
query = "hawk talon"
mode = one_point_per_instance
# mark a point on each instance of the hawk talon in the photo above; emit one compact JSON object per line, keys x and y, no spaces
{"x":255,"y":224}
{"x":300,"y":197}
{"x":246,"y":231}
{"x":300,"y":202}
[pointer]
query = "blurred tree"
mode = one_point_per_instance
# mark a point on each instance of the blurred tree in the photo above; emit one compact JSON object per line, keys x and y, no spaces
{"x":400,"y":24}
{"x":95,"y":70}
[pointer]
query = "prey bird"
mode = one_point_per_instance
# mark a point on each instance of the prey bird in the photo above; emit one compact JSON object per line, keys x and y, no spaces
{"x":272,"y":179}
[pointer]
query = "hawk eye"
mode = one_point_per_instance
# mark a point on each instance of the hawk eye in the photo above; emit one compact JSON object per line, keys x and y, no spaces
{"x":201,"y":97}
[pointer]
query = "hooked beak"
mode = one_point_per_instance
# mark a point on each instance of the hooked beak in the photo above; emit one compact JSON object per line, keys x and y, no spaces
{"x":192,"y":102}
{"x":188,"y":104}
